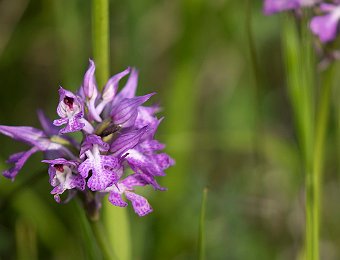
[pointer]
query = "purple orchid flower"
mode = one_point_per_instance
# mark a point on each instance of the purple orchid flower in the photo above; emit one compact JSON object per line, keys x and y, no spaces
{"x":275,"y":6}
{"x":70,"y":109}
{"x":63,"y":176}
{"x":117,"y":133}
{"x":326,"y":26}
{"x":31,"y":136}
{"x":140,"y":205}
{"x":106,"y":169}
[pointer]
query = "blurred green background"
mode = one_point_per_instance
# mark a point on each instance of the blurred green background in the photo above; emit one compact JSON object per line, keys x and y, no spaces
{"x":225,"y":131}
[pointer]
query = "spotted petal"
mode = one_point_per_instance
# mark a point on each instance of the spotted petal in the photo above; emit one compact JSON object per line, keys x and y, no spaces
{"x":140,"y":205}
{"x":105,"y":169}
{"x":116,"y":199}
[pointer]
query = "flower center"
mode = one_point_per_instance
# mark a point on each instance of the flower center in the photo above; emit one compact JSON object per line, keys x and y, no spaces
{"x":59,"y":167}
{"x":69,"y":102}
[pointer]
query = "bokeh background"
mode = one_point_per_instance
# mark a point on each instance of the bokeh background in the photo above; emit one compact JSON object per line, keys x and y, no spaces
{"x":227,"y":129}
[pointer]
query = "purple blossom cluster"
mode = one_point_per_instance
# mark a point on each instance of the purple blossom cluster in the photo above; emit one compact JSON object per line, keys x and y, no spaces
{"x":117,"y":133}
{"x":326,"y":18}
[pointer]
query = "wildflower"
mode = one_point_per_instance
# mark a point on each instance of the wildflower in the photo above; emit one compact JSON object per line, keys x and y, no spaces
{"x":37,"y":139}
{"x":325,"y":26}
{"x":64,"y":176}
{"x":106,"y":169}
{"x":70,"y":109}
{"x":140,"y":205}
{"x":117,"y":134}
{"x":275,"y":6}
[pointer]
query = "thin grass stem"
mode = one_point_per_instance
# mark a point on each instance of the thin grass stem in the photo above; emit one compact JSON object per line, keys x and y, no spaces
{"x":202,"y":235}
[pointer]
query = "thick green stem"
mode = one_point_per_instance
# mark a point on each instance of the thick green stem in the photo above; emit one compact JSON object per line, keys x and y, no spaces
{"x":101,"y":52}
{"x":300,"y":68}
{"x":102,"y":239}
{"x":320,"y":137}
{"x":100,"y":39}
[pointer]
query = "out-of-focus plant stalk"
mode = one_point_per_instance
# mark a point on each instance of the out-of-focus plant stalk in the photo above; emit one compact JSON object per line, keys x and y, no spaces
{"x":258,"y":80}
{"x":319,"y":146}
{"x":117,"y":224}
{"x":26,"y":238}
{"x":101,"y":52}
{"x":102,"y":239}
{"x":336,"y":105}
{"x":100,"y":39}
{"x":301,"y":78}
{"x":201,"y":235}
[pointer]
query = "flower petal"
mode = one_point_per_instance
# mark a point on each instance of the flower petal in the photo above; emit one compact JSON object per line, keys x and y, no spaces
{"x":90,"y":141}
{"x":140,"y":205}
{"x":274,"y":6}
{"x":26,"y":134}
{"x":127,"y":141}
{"x":19,"y":160}
{"x":89,"y":84}
{"x":111,"y":87}
{"x":116,"y":199}
{"x":126,"y":111}
{"x":325,"y":27}
{"x":133,"y":180}
{"x":91,"y":92}
{"x":106,"y":171}
{"x":129,"y":90}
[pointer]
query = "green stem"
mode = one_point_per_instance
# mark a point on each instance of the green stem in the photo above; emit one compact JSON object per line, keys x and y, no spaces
{"x":100,"y":39}
{"x":101,"y":52}
{"x":101,"y":238}
{"x":300,"y":68}
{"x":252,"y":48}
{"x":117,"y":224}
{"x":258,"y":80}
{"x":318,"y":156}
{"x":201,"y":237}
